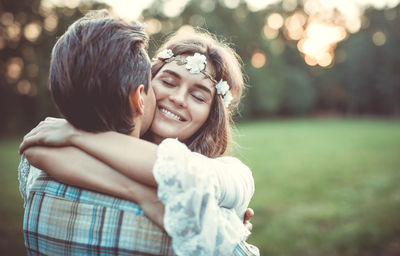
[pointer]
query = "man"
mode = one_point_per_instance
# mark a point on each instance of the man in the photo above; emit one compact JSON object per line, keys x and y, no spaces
{"x":100,"y":81}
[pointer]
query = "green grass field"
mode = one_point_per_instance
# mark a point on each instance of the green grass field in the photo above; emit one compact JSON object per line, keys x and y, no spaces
{"x":323,"y":187}
{"x":328,"y":187}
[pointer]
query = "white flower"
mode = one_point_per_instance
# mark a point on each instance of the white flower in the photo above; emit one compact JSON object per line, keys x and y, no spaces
{"x":196,"y":63}
{"x":222,"y":87}
{"x":227,"y":98}
{"x":165,"y":54}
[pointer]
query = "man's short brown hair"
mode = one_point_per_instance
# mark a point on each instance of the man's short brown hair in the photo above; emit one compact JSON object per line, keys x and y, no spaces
{"x":94,"y":66}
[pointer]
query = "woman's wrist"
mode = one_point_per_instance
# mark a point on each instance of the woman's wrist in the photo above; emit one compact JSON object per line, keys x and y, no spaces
{"x":77,"y":137}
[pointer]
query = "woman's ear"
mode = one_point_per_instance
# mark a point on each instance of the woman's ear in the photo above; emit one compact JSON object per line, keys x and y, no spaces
{"x":136,"y":100}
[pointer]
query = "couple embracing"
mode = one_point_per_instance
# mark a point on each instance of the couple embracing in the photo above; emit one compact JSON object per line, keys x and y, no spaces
{"x":137,"y":166}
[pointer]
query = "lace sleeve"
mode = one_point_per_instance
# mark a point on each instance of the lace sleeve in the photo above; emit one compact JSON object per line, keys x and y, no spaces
{"x":189,"y":190}
{"x":23,"y":173}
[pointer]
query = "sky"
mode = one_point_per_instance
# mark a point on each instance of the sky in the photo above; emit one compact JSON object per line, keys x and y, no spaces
{"x":131,"y":9}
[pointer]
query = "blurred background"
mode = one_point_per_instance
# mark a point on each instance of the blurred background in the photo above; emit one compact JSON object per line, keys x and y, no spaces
{"x":319,"y":123}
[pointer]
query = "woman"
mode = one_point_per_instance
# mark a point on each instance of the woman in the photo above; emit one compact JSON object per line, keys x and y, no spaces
{"x":195,"y":79}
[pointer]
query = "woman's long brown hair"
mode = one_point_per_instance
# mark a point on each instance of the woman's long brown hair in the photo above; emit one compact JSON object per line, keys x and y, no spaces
{"x":213,"y":138}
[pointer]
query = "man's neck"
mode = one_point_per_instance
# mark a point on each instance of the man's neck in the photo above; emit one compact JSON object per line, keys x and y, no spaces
{"x":135,"y":132}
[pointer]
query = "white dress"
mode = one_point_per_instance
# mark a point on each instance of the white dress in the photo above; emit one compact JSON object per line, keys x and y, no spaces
{"x":205,"y":199}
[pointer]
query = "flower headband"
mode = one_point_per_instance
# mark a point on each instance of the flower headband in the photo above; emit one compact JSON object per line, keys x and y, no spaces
{"x":197,"y":64}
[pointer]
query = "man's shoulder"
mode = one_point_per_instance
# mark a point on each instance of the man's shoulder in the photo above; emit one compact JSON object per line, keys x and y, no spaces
{"x":34,"y":180}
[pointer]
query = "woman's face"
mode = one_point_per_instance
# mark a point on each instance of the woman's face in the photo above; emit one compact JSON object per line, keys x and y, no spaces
{"x":183,"y":101}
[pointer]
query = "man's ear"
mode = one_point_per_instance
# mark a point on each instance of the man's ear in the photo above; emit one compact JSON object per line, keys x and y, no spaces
{"x":136,"y":100}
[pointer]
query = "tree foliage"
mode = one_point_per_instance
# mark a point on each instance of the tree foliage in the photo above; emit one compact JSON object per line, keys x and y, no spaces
{"x":362,"y":80}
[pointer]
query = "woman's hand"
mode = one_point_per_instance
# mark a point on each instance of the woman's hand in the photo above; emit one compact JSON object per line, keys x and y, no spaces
{"x":246,"y":220}
{"x":50,"y":132}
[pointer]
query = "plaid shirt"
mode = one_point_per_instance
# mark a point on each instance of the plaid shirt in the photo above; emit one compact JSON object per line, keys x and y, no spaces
{"x":64,"y":220}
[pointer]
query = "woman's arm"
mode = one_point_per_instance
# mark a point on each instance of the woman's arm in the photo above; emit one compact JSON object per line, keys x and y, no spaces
{"x":135,"y":158}
{"x":73,"y":166}
{"x":131,"y":156}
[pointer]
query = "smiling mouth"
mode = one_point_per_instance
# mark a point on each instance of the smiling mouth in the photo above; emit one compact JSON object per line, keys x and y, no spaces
{"x":172,"y":115}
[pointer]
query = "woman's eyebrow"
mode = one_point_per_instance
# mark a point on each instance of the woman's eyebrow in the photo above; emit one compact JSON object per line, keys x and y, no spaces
{"x":172,"y":73}
{"x":203,"y":88}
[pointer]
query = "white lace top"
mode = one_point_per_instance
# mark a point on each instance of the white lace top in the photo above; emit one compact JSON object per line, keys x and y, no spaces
{"x":205,"y":199}
{"x":27,"y":174}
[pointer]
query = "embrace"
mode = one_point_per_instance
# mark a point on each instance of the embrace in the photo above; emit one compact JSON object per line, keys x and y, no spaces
{"x":137,"y":165}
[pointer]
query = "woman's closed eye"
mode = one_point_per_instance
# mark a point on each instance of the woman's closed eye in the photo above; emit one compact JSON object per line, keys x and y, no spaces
{"x":199,"y":97}
{"x":168,"y":82}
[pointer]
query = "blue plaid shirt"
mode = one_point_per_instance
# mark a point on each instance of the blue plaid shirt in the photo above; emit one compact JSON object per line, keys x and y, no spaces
{"x":64,"y":220}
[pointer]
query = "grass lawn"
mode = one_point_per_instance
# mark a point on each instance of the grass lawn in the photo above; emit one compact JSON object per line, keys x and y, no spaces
{"x":11,"y":206}
{"x":323,"y":187}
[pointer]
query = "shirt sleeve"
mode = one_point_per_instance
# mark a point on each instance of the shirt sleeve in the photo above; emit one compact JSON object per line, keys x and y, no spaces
{"x":23,"y":172}
{"x":200,"y":201}
{"x":236,"y":183}
{"x":27,"y":174}
{"x":245,"y":249}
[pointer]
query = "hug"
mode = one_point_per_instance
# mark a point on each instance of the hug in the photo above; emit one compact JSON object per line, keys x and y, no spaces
{"x":138,"y":164}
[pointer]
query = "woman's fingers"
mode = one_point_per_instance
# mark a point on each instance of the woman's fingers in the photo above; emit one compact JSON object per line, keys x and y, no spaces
{"x":248,"y":225}
{"x":30,"y":140}
{"x":27,"y":140}
{"x":246,"y":219}
{"x":35,"y":137}
{"x":248,"y":214}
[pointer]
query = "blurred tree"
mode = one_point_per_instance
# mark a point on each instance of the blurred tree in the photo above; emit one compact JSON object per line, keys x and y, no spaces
{"x":370,"y":74}
{"x":28,"y":31}
{"x":362,"y":79}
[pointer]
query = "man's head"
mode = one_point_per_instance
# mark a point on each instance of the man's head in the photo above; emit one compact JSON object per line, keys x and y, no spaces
{"x":100,"y":75}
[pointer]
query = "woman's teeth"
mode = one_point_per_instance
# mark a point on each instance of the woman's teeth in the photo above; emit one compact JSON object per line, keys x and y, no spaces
{"x":171,"y":114}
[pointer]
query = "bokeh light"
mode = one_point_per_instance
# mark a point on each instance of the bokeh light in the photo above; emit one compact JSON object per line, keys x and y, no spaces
{"x":32,"y":31}
{"x":270,"y":33}
{"x":153,"y":26}
{"x":24,"y":87}
{"x":172,"y":8}
{"x":258,"y":59}
{"x":7,"y":19}
{"x":275,"y":21}
{"x":14,"y":32}
{"x":232,"y":4}
{"x":379,"y":38}
{"x":207,"y":5}
{"x":14,"y":68}
{"x":51,"y":22}
{"x":256,"y":5}
{"x":320,"y":41}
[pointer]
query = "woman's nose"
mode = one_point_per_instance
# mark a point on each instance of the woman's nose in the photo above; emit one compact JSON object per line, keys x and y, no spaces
{"x":178,"y":98}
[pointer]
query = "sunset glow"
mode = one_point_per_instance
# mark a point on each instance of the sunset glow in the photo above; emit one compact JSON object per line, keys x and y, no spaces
{"x":317,"y":28}
{"x":319,"y":42}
